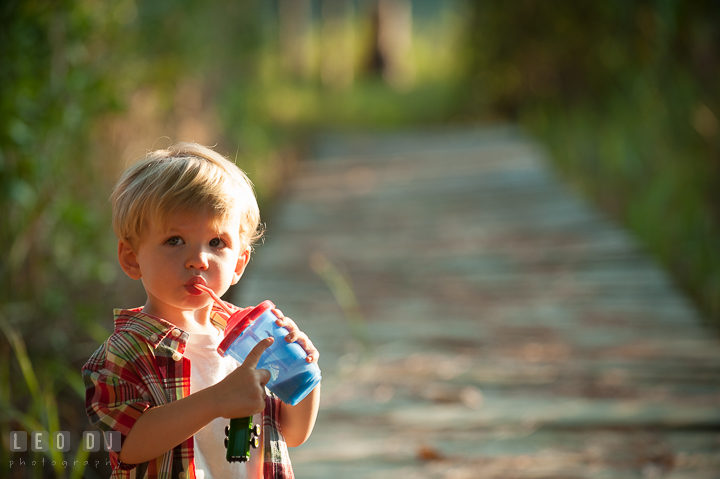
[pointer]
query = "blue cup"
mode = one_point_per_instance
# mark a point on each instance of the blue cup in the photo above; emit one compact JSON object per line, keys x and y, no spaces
{"x":292,"y":377}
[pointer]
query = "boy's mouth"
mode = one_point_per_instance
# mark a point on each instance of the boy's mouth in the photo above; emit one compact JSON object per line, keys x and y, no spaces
{"x":190,"y":285}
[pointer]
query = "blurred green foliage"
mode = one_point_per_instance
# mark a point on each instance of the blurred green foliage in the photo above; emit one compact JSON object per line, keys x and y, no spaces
{"x":70,"y":68}
{"x":626,"y":94}
{"x":54,"y":81}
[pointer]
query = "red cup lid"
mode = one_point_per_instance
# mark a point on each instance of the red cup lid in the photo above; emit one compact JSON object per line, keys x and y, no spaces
{"x":240,"y":320}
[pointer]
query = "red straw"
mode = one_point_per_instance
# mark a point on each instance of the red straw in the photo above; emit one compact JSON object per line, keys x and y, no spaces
{"x":214,"y":296}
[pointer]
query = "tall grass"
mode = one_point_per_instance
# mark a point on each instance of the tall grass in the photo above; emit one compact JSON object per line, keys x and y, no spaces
{"x":43,"y":412}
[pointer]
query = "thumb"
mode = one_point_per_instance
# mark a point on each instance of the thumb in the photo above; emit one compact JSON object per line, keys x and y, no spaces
{"x":253,"y":357}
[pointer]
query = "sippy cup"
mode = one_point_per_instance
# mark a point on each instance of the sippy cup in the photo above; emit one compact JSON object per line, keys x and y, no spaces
{"x":292,"y":376}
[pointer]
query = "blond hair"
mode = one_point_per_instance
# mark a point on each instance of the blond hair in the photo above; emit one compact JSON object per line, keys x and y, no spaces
{"x":184,"y":177}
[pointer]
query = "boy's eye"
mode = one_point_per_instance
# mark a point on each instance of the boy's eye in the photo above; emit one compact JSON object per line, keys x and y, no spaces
{"x":216,"y":242}
{"x":174,"y":241}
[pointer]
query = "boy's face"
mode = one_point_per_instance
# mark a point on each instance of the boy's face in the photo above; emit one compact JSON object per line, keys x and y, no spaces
{"x":191,"y":249}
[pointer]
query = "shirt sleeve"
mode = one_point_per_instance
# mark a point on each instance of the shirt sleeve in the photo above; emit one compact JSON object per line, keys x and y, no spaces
{"x":114,"y":396}
{"x":276,"y":462}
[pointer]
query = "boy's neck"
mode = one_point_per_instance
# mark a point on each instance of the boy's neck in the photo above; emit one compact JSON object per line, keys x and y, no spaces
{"x":191,"y":321}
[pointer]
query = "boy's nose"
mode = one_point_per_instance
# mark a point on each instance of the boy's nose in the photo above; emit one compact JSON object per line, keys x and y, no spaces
{"x":197,"y":260}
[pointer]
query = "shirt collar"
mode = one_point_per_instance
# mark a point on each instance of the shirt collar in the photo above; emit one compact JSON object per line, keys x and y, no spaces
{"x":154,"y":329}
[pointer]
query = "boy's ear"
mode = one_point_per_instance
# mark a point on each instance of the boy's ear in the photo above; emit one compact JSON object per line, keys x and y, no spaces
{"x":128,"y":260}
{"x":242,"y":262}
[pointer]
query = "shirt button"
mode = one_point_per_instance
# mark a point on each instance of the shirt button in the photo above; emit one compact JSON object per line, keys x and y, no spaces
{"x":177,"y":356}
{"x":153,"y":337}
{"x":176,"y":332}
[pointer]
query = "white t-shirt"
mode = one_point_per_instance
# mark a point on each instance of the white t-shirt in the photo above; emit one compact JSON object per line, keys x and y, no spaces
{"x":209,"y":368}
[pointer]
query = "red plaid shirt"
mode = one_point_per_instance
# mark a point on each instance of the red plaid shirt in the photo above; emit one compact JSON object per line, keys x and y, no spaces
{"x":142,"y":365}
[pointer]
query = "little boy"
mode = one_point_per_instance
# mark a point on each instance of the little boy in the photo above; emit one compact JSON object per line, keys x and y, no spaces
{"x":187,"y":216}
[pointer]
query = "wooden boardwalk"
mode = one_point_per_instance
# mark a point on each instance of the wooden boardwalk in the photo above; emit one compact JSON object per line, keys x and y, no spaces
{"x":505,"y":328}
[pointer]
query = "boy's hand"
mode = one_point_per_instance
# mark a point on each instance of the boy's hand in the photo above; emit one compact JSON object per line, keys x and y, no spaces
{"x":242,"y":392}
{"x":297,"y":336}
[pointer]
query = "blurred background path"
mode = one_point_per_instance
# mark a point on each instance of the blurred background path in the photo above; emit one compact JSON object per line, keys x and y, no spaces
{"x":477,"y":319}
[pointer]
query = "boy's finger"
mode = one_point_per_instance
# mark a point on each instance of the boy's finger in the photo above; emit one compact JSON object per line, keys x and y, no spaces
{"x":265,"y":376}
{"x":287,"y":323}
{"x":253,"y":356}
